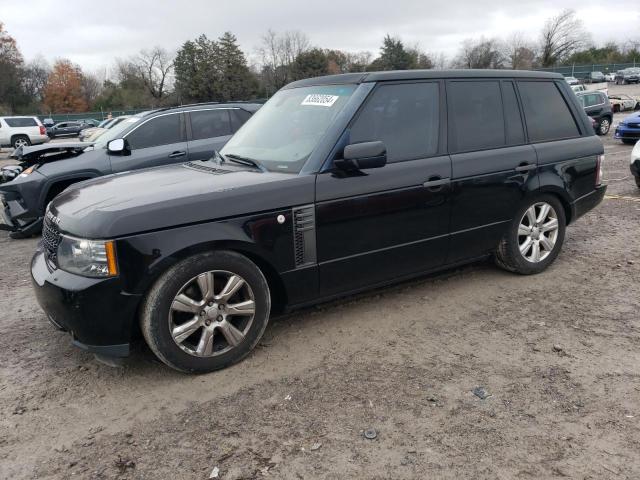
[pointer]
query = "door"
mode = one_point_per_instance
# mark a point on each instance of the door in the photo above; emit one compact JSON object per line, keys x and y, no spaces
{"x":594,"y":104}
{"x":492,"y":166}
{"x":161,"y":140}
{"x":381,"y":224}
{"x":210,"y":130}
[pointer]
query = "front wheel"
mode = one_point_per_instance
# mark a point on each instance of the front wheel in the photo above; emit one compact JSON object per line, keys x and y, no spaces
{"x":534,"y":238}
{"x":207,"y":312}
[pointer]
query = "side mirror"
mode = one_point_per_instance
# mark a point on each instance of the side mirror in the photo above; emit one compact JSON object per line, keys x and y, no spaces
{"x":116,"y":146}
{"x":361,"y":156}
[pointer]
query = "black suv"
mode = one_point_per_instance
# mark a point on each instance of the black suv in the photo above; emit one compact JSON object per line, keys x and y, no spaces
{"x":597,"y":106}
{"x":67,"y":129}
{"x":336,"y":185}
{"x":160,"y":137}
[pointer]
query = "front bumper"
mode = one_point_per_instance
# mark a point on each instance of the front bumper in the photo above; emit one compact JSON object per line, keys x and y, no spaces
{"x":626,"y":133}
{"x":15,"y":217}
{"x":99,"y":315}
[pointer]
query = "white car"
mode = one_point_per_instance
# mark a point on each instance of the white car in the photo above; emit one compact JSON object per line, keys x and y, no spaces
{"x":21,"y":132}
{"x":610,"y":77}
{"x":635,"y":163}
{"x":572,"y":80}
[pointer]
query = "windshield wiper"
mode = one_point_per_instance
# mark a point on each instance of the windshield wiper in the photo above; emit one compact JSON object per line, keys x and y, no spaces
{"x":243,"y":160}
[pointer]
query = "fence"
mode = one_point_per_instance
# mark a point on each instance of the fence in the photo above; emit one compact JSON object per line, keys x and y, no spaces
{"x":581,"y":71}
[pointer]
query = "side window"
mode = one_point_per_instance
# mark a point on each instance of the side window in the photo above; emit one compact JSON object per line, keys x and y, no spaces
{"x":403,"y":116}
{"x":162,"y":130}
{"x":547,"y":114}
{"x":210,"y":123}
{"x":239,"y":117}
{"x":21,"y":122}
{"x":512,"y":118}
{"x":476,"y":120}
{"x":61,"y":125}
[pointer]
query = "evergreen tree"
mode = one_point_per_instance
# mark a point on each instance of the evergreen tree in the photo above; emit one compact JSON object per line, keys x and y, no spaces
{"x":393,"y":56}
{"x":312,"y":63}
{"x":236,"y":81}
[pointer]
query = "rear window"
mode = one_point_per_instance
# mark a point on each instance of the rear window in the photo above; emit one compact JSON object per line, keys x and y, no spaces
{"x":476,"y":120}
{"x":210,"y":123}
{"x":547,"y":114}
{"x":403,"y":116}
{"x":591,"y":99}
{"x":21,"y":122}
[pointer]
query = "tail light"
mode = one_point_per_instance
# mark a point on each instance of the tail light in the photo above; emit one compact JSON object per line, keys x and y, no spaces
{"x":43,"y":131}
{"x":599,"y":167}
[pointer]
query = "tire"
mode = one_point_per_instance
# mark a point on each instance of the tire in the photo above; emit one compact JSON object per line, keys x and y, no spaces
{"x":605,"y":126}
{"x":162,"y":313}
{"x":20,"y":141}
{"x":508,"y":254}
{"x":637,"y":181}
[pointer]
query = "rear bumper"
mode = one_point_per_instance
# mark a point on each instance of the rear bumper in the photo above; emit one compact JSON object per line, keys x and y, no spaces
{"x":38,"y":139}
{"x":587,"y":202}
{"x":96,"y":312}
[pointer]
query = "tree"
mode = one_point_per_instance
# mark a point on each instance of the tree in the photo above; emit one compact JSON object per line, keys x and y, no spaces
{"x":154,"y":68}
{"x":278,"y":53}
{"x":11,"y":63}
{"x":63,"y":91}
{"x":393,"y":56}
{"x":91,"y":88}
{"x":235,"y":80}
{"x":518,"y":52}
{"x":561,"y":37}
{"x":196,"y":70}
{"x":346,"y":62}
{"x":312,"y":63}
{"x":34,"y":78}
{"x":480,"y":53}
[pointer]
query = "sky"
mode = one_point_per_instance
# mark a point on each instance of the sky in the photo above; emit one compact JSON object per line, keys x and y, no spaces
{"x":94,"y":34}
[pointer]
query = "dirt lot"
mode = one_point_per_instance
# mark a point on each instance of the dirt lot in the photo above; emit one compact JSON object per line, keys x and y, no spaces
{"x":558,"y":353}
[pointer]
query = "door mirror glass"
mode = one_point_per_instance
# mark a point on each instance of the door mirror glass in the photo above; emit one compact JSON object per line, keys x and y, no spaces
{"x":116,"y":146}
{"x":360,"y":156}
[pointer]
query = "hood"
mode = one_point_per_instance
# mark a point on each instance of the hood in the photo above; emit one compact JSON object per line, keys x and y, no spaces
{"x":139,"y":201}
{"x":634,"y":117}
{"x":48,"y":152}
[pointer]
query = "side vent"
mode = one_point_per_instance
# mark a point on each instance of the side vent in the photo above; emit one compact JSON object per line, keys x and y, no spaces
{"x":304,"y":235}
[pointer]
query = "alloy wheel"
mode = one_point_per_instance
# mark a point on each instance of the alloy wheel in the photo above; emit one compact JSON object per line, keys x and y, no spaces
{"x":604,"y":126}
{"x":212,"y":313}
{"x":20,"y":142}
{"x":538,"y":232}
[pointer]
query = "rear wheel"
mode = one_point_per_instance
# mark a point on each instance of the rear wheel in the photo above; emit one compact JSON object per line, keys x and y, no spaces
{"x":534,"y":237}
{"x":20,"y":141}
{"x":605,"y":125}
{"x":207,"y":312}
{"x":637,"y":181}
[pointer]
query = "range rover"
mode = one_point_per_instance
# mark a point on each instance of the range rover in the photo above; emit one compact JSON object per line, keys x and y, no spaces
{"x":336,"y":185}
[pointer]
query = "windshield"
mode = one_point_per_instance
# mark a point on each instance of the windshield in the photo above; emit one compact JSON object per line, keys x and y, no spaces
{"x":115,"y":131}
{"x":286,"y":130}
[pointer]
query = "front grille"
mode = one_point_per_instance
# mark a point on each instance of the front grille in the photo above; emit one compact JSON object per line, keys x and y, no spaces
{"x":633,"y":125}
{"x":50,"y":238}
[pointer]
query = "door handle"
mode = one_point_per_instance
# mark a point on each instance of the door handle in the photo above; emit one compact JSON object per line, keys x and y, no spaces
{"x":525,"y":167}
{"x":436,"y":183}
{"x":177,"y":154}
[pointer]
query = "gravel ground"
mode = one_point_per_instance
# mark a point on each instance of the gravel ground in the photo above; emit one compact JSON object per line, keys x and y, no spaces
{"x":558,"y":353}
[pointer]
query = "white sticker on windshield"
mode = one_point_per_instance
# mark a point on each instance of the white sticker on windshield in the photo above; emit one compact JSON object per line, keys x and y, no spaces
{"x":320,"y":100}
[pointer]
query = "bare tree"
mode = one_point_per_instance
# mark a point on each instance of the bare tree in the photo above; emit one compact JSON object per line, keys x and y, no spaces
{"x":480,"y":53}
{"x":91,"y":87}
{"x":154,"y":67}
{"x":278,"y":52}
{"x":519,"y":52}
{"x":440,"y":61}
{"x":35,"y":76}
{"x":562,"y":36}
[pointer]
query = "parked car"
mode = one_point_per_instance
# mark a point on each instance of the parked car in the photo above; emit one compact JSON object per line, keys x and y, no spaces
{"x":610,"y":77}
{"x":596,"y":105}
{"x":161,"y":137}
{"x":67,"y":129}
{"x":635,"y":163}
{"x":48,"y":122}
{"x":628,"y":75}
{"x":336,"y":185}
{"x":621,"y":102}
{"x":21,"y":131}
{"x":572,"y":80}
{"x":628,"y":130}
{"x":91,"y":134}
{"x":578,"y":88}
{"x":595,"y":77}
{"x":89,"y":121}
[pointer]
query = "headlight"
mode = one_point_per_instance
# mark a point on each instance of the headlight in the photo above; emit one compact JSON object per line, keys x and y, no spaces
{"x":90,"y":258}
